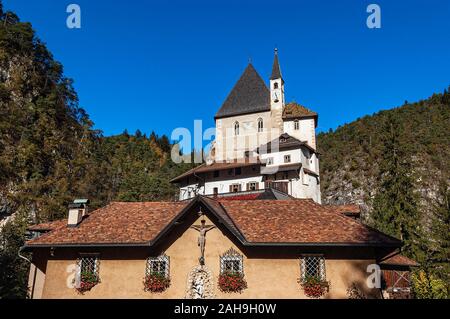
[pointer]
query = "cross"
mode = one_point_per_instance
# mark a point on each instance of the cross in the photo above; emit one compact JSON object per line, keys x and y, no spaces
{"x":202,"y":229}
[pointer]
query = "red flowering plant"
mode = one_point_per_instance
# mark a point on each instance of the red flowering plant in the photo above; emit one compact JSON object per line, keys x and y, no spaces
{"x":314,"y":287}
{"x":156,"y":282}
{"x":88,"y":280}
{"x":232,"y":282}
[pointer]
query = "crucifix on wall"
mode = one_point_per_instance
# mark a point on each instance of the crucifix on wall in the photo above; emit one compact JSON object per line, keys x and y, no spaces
{"x":201,"y":241}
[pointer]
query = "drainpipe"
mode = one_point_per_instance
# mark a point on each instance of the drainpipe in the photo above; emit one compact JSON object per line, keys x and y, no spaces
{"x":23,"y":257}
{"x":30,"y":289}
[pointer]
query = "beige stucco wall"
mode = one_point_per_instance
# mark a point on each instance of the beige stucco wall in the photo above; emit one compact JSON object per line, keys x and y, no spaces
{"x":122,"y":270}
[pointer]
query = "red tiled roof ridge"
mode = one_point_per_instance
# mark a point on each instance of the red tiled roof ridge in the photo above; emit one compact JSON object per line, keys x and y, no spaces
{"x":261,"y":221}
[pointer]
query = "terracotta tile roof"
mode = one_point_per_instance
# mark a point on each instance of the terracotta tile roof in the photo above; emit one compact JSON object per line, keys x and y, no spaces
{"x":48,"y":226}
{"x":217,"y":166}
{"x":298,"y":221}
{"x":252,"y":221}
{"x":399,"y":260}
{"x":346,"y":209}
{"x":124,"y":223}
{"x":294,"y":110}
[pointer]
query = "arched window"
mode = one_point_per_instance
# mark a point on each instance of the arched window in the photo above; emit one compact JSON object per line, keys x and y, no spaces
{"x":260,"y":125}
{"x":275,"y":85}
{"x":236,"y":128}
{"x":296,"y":125}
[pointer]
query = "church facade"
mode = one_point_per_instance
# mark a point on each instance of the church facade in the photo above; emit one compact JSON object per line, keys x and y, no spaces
{"x":261,"y":142}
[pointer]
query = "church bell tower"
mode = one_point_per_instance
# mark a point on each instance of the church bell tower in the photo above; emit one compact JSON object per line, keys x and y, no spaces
{"x":277,"y":101}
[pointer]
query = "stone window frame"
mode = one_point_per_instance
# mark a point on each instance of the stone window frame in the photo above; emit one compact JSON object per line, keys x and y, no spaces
{"x":296,"y":125}
{"x":287,"y":158}
{"x":158,"y":265}
{"x":310,"y":261}
{"x":231,"y":256}
{"x":236,"y":128}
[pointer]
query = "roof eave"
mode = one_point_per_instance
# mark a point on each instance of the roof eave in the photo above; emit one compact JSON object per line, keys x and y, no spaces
{"x":216,"y":117}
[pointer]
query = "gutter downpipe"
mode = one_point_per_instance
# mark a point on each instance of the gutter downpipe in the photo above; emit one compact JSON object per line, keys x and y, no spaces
{"x":23,"y":257}
{"x":30,"y":289}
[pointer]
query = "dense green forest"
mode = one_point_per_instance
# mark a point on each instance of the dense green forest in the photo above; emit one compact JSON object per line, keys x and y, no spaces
{"x":50,"y":153}
{"x":393,"y":163}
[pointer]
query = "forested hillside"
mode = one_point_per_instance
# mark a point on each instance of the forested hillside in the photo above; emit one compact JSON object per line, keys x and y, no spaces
{"x":396,"y":165}
{"x":351,"y":155}
{"x":50,"y":153}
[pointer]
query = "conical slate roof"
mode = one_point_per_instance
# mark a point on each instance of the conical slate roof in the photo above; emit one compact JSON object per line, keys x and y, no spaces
{"x":249,"y":95}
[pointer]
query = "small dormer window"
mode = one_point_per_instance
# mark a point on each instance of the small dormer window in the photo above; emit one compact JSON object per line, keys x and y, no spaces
{"x":296,"y":125}
{"x":275,"y":85}
{"x":260,"y":125}
{"x":236,"y":128}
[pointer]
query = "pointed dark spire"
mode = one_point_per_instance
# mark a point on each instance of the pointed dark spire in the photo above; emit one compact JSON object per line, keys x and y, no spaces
{"x":276,"y":72}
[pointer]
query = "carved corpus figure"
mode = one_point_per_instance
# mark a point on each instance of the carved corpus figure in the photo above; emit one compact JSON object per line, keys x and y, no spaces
{"x":202,"y":229}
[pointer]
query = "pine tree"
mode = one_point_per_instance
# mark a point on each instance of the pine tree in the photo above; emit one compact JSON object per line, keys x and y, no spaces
{"x":440,"y":234}
{"x":395,"y":209}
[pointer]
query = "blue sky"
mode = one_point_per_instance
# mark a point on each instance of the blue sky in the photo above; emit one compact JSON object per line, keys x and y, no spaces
{"x":158,"y":65}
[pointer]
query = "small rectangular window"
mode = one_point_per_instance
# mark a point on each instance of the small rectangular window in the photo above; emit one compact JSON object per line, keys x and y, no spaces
{"x":158,"y":266}
{"x":313,"y":266}
{"x":89,"y":263}
{"x":234,"y":188}
{"x":296,"y":125}
{"x":231,"y":262}
{"x":269,"y":160}
{"x":252,"y":186}
{"x":287,"y":158}
{"x":88,"y":270}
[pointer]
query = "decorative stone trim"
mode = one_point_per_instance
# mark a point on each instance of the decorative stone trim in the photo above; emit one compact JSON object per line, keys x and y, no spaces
{"x":200,"y":284}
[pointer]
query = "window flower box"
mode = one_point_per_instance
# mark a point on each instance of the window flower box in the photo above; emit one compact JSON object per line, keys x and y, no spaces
{"x":232,"y":282}
{"x":87,"y":281}
{"x":314,"y":287}
{"x":156,"y":282}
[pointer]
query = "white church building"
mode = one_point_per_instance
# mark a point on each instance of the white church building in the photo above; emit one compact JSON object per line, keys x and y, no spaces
{"x":264,"y":147}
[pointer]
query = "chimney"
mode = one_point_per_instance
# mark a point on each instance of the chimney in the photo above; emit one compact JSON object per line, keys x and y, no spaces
{"x":77,"y":210}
